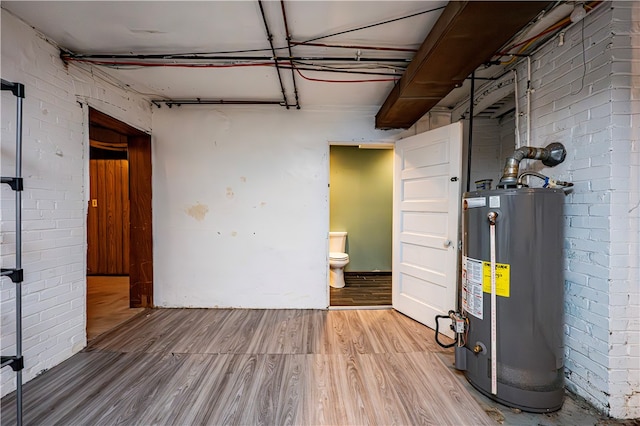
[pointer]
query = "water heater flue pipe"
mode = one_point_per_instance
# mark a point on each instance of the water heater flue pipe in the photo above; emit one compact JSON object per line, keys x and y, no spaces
{"x":552,"y":155}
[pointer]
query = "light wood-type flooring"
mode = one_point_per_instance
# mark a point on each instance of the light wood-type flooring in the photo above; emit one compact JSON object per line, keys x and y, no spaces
{"x":107,"y":303}
{"x":252,"y":367}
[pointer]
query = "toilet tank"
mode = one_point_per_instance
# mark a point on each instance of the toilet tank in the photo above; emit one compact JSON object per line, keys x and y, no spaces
{"x":337,"y":242}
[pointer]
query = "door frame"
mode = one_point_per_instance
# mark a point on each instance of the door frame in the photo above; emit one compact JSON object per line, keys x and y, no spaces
{"x":381,"y":144}
{"x":140,"y":221}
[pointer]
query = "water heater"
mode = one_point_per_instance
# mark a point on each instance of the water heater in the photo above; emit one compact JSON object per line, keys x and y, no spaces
{"x":512,"y":296}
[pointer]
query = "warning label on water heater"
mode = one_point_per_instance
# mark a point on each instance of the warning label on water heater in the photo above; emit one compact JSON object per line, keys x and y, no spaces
{"x":472,"y":286}
{"x":476,"y":280}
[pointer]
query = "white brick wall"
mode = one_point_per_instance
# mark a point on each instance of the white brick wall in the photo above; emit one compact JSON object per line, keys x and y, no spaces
{"x":54,"y":200}
{"x":493,"y":142}
{"x":593,"y":108}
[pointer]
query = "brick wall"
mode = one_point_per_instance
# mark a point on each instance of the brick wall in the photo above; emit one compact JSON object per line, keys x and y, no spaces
{"x":589,"y":100}
{"x":55,"y":197}
{"x":493,"y":142}
{"x":624,"y":261}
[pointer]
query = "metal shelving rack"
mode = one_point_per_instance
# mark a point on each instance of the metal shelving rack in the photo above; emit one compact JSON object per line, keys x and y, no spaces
{"x":16,"y":362}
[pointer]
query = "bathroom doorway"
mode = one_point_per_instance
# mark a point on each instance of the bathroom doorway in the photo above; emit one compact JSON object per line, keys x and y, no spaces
{"x":361,"y":203}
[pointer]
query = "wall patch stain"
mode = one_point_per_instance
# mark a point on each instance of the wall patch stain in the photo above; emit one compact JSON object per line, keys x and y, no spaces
{"x":230,"y":193}
{"x":198,"y":211}
{"x":243,"y":179}
{"x":234,"y":233}
{"x":263,"y":203}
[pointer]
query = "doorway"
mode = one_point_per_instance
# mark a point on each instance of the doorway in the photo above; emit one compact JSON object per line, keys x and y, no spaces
{"x":361,"y":203}
{"x":119,"y":241}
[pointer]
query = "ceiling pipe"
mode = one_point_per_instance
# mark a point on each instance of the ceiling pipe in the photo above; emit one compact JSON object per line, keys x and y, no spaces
{"x":293,"y":74}
{"x":66,"y":56}
{"x":273,"y":51}
{"x":198,"y":101}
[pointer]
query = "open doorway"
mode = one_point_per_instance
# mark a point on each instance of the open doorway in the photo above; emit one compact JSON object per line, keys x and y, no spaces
{"x":361,"y":204}
{"x":119,"y":245}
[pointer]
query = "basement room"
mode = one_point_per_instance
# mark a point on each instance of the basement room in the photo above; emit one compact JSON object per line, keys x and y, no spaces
{"x":320,"y":212}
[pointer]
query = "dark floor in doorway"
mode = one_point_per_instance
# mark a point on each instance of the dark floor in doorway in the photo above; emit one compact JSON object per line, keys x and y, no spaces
{"x":363,"y":289}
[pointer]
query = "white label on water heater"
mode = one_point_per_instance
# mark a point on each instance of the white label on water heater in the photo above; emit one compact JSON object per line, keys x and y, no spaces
{"x":472,"y":295}
{"x":494,"y":202}
{"x":470,"y":203}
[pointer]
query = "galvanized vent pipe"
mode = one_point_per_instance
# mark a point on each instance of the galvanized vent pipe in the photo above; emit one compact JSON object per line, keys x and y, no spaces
{"x":552,"y":155}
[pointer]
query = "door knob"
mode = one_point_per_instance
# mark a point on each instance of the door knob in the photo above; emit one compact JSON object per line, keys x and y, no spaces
{"x":447,"y":243}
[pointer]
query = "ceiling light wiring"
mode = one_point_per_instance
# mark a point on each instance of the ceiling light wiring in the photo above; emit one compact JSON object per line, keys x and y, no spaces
{"x":133,"y":65}
{"x":208,"y":55}
{"x":341,"y":71}
{"x":141,"y":64}
{"x":526,"y":44}
{"x":364,"y":27}
{"x":350,"y":46}
{"x":346,"y":81}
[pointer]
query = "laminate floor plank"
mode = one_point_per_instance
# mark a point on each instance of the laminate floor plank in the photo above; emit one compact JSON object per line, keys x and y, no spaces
{"x":202,"y":332}
{"x":389,"y":335}
{"x":387,"y":400}
{"x":122,"y":399}
{"x":148,"y":328}
{"x":235,"y":394}
{"x":257,"y":367}
{"x":263,"y":403}
{"x":107,"y":303}
{"x":362,"y":289}
{"x":432,"y":370}
{"x":182,"y":390}
{"x":292,"y":387}
{"x":205,"y":395}
{"x":321,"y":404}
{"x":353,"y":390}
{"x":285,"y":332}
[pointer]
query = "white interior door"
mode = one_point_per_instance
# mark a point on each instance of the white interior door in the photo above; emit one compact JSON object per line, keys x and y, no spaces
{"x":426,"y":208}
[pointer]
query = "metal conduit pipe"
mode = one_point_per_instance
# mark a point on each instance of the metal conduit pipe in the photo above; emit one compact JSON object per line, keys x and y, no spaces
{"x":273,"y":51}
{"x":293,"y":74}
{"x":470,"y":144}
{"x":552,"y":155}
{"x":106,"y":59}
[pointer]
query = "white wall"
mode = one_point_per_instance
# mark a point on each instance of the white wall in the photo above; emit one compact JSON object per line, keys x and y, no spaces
{"x":55,"y":196}
{"x":593,"y":108}
{"x":486,"y":153}
{"x":240,"y":203}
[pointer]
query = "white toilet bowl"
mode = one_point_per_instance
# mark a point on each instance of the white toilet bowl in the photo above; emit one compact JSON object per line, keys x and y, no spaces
{"x":337,"y":262}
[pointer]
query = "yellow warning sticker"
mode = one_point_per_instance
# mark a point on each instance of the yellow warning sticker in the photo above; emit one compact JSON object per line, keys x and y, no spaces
{"x":502,"y":278}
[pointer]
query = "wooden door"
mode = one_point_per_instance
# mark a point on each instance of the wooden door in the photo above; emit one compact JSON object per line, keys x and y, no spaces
{"x":426,"y":209}
{"x":108,"y":218}
{"x":141,"y":262}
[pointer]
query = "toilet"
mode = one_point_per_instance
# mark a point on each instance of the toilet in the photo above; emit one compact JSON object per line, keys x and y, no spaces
{"x":338,"y":259}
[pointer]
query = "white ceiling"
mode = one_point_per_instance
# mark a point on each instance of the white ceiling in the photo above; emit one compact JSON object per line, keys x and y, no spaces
{"x":160,"y":27}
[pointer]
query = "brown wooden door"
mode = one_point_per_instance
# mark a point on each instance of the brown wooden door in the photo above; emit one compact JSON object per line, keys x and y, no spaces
{"x":108,"y":218}
{"x":141,"y":271}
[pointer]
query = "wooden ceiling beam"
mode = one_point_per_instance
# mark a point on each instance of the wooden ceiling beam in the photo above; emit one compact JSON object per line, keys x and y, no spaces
{"x":466,"y":35}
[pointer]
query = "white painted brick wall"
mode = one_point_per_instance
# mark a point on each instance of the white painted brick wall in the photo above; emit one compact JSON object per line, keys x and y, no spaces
{"x":54,"y":200}
{"x":493,"y":141}
{"x":593,"y":108}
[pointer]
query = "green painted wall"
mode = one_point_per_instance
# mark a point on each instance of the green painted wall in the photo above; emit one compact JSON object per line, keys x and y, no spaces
{"x":361,"y":203}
